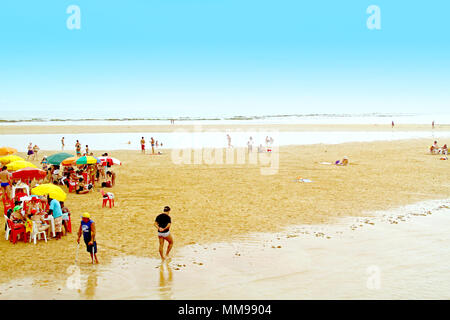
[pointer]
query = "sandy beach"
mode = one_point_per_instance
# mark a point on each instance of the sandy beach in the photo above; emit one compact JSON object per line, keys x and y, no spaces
{"x":213,"y":203}
{"x":56,"y":129}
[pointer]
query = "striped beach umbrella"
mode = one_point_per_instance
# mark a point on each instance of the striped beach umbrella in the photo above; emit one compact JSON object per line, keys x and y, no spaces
{"x":87,"y":160}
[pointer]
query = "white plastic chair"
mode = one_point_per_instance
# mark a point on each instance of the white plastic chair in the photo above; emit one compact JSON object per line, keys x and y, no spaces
{"x":8,"y":230}
{"x":36,"y":233}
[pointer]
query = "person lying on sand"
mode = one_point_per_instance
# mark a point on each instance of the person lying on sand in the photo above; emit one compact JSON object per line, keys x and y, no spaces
{"x":88,"y":229}
{"x":344,"y":162}
{"x":82,"y":188}
{"x":162,"y":224}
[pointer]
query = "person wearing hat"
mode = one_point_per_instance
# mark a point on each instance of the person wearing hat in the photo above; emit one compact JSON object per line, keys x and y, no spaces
{"x":16,"y":215}
{"x":87,"y":228}
{"x":162,"y":224}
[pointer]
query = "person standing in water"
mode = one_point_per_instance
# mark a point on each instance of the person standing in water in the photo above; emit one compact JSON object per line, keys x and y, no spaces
{"x":143,"y":145}
{"x":87,"y":228}
{"x":62,"y":144}
{"x":162,"y":224}
{"x":78,"y":148}
{"x":152,"y":142}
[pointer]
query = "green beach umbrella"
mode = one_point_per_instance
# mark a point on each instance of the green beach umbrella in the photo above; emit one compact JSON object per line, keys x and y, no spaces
{"x":57,"y":158}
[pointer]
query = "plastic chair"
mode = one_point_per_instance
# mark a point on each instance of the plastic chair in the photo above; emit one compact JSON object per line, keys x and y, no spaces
{"x":72,"y":185}
{"x":16,"y":230}
{"x":8,"y":229}
{"x":7,"y":204}
{"x":107,"y":196}
{"x":35,"y":233}
{"x":69,"y":222}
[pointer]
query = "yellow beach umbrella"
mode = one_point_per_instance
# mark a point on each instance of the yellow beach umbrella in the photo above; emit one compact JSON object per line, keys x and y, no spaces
{"x":51,"y":190}
{"x":20,"y":164}
{"x":10,"y":158}
{"x":7,"y":150}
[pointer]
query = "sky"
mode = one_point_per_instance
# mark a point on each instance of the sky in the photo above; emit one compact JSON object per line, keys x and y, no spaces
{"x":170,"y":58}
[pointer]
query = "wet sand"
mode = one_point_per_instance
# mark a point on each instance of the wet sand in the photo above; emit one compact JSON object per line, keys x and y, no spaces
{"x":49,"y":129}
{"x":214,"y":203}
{"x":398,"y":254}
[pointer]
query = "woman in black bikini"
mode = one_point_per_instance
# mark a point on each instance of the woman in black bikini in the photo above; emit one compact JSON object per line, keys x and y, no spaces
{"x":163,"y":223}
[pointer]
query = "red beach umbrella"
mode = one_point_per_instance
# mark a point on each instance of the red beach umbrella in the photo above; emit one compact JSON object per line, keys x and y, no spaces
{"x":29,"y":173}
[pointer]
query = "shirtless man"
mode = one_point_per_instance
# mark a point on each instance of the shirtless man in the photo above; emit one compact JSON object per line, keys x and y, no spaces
{"x":5,"y":179}
{"x":143,"y":145}
{"x":62,"y":143}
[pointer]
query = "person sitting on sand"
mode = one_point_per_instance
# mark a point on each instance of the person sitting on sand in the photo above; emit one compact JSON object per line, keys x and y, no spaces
{"x":344,"y":162}
{"x":434,"y":148}
{"x":162,"y":224}
{"x":82,"y":188}
{"x":443,"y":150}
{"x":88,"y":229}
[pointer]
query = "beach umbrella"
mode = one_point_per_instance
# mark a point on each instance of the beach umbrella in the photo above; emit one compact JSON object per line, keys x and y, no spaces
{"x":87,"y":160}
{"x":7,"y":150}
{"x":17,"y":165}
{"x":57,"y":158}
{"x":110,"y":160}
{"x":69,"y":161}
{"x":29,"y":173}
{"x":51,"y":190}
{"x":10,"y":158}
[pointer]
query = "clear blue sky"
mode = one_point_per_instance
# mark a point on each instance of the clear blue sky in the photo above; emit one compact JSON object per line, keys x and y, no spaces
{"x":224,"y":57}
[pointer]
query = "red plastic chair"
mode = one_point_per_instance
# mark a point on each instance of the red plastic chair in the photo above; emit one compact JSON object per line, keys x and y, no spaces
{"x":72,"y":186}
{"x":7,"y":204}
{"x":16,"y":230}
{"x":105,"y":200}
{"x":69,"y":224}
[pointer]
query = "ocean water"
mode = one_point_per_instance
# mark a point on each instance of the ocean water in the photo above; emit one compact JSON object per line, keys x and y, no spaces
{"x":188,"y":139}
{"x":397,"y":254}
{"x":11,"y":117}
